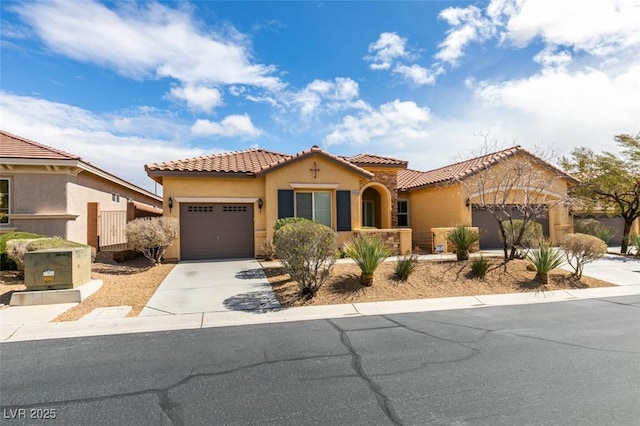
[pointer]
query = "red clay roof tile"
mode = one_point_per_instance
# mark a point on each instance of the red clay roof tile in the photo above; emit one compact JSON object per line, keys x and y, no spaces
{"x":373,"y":160}
{"x":12,"y":146}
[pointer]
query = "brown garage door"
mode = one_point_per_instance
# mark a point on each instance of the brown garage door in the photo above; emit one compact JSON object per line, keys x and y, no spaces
{"x":489,"y":230}
{"x":216,"y":231}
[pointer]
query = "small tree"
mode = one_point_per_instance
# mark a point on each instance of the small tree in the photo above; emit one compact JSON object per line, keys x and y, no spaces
{"x":307,"y":251}
{"x":609,"y":181}
{"x":581,"y":249}
{"x":152,"y":236}
{"x":513,"y":229}
{"x":514,"y":184}
{"x":368,"y":252}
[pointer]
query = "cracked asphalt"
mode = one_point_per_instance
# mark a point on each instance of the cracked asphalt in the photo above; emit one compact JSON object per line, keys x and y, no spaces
{"x":558,"y":363}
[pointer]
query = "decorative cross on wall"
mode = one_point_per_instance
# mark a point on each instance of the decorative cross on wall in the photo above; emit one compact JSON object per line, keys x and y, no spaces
{"x":314,"y":170}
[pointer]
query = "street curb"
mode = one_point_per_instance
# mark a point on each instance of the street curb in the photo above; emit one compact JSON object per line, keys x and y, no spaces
{"x":102,"y":327}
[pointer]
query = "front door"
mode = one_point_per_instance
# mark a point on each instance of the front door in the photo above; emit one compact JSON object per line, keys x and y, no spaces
{"x":368,"y":213}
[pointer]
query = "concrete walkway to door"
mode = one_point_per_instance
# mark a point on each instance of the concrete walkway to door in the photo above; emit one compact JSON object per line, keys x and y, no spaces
{"x":213,"y":286}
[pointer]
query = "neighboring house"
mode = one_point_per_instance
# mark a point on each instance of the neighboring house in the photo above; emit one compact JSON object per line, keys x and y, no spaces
{"x":50,"y":192}
{"x":228,"y":203}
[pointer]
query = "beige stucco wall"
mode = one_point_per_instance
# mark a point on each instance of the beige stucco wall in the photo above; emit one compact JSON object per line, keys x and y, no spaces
{"x":53,"y":201}
{"x":445,"y":206}
{"x":330,"y":177}
{"x":330,"y":174}
{"x":438,"y":207}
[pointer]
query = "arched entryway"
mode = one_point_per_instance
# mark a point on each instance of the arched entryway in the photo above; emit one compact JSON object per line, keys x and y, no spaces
{"x":375,"y":206}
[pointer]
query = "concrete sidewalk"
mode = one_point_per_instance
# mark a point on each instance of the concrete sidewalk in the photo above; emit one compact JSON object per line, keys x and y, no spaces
{"x":146,"y":324}
{"x":237,"y":292}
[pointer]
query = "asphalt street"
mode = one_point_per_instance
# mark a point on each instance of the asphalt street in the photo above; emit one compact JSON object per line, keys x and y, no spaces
{"x":567,"y":363}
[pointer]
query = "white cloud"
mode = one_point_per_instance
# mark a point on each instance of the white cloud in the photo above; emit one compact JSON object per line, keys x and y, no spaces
{"x":393,"y":123}
{"x":598,"y":28}
{"x":231,"y":125}
{"x":120,"y":144}
{"x":198,"y":98}
{"x":467,"y":25}
{"x":550,"y":57}
{"x":416,"y":74}
{"x":580,"y":98}
{"x":325,"y":96}
{"x":147,"y":41}
{"x":385,"y":50}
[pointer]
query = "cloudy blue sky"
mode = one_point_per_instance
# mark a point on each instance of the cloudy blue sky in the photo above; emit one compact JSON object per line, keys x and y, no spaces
{"x":127,"y":83}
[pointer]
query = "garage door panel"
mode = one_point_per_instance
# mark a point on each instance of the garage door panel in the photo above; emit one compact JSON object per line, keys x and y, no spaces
{"x":216,"y":231}
{"x":489,"y":229}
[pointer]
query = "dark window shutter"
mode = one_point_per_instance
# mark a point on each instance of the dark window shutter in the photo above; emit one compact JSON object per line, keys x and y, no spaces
{"x":285,"y":203}
{"x":343,"y":207}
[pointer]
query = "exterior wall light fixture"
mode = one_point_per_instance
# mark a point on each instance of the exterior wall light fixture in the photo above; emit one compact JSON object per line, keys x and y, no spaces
{"x":260,"y":204}
{"x":170,"y":204}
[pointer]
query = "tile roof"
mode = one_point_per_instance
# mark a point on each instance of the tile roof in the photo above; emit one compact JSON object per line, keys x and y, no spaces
{"x":252,"y":161}
{"x":316,"y":150}
{"x":375,"y":160}
{"x":12,"y":146}
{"x":247,"y":161}
{"x":408,"y":179}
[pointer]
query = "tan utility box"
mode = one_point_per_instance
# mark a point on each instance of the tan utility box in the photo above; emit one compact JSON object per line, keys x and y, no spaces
{"x":55,"y":269}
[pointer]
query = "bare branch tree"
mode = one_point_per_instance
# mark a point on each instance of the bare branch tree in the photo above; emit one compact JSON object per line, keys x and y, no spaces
{"x":514,"y":184}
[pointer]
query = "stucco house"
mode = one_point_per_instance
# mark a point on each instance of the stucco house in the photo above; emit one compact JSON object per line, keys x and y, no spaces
{"x":51,"y":192}
{"x":227,"y":203}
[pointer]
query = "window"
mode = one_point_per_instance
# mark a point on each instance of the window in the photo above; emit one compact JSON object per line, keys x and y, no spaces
{"x":115,"y":198}
{"x":368,"y":213}
{"x":315,"y":206}
{"x":403,"y":213}
{"x":4,"y":200}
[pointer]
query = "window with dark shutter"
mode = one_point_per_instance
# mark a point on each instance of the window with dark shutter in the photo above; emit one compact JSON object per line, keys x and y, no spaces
{"x":285,"y":203}
{"x":343,"y":206}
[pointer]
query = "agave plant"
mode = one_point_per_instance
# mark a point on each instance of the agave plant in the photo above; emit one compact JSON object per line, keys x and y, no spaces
{"x":545,"y":258}
{"x":368,"y":252}
{"x":463,"y":238}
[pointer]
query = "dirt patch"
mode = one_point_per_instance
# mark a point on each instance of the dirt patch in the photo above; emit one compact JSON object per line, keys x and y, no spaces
{"x":131,"y":283}
{"x":430,"y":280}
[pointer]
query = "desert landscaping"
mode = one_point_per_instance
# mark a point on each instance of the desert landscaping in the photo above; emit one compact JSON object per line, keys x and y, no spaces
{"x":132,"y":283}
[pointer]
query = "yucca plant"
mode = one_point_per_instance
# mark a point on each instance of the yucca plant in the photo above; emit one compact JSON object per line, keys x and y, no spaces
{"x":368,"y":252}
{"x":405,"y":266}
{"x":634,"y":243}
{"x":480,"y":267}
{"x":463,"y":238}
{"x":545,"y":258}
{"x":605,"y":233}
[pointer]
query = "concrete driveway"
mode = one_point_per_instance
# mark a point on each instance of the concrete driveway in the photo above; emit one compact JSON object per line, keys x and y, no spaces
{"x":616,"y":269}
{"x":213,"y":286}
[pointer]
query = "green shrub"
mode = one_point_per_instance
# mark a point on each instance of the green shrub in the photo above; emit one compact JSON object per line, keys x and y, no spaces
{"x":405,"y":266}
{"x":463,"y":238}
{"x":6,"y":264}
{"x":581,"y":249}
{"x":152,"y":236}
{"x":368,"y":252}
{"x":634,"y":244}
{"x":480,"y":267}
{"x":545,"y":258}
{"x":307,"y":251}
{"x":532,"y":234}
{"x":586,"y":226}
{"x":605,"y":234}
{"x":594,"y":227}
{"x":286,"y":221}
